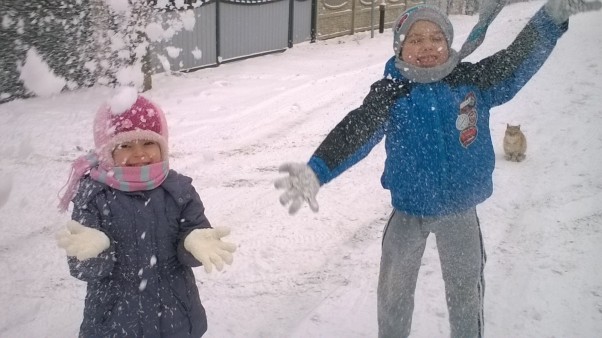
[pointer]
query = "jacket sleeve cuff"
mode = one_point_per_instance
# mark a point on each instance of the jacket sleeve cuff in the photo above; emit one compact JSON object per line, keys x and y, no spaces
{"x":320,"y":169}
{"x":93,"y":269}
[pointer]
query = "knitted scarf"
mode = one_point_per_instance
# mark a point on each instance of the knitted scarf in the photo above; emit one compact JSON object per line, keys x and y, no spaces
{"x":142,"y":178}
{"x":487,"y":12}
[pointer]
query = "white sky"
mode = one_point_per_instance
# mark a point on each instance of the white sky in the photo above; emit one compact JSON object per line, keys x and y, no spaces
{"x":315,"y":275}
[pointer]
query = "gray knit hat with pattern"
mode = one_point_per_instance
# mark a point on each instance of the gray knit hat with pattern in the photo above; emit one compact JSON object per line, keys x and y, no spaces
{"x":421,"y":12}
{"x":403,"y":24}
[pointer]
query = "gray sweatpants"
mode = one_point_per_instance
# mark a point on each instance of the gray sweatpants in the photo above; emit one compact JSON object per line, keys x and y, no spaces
{"x":462,"y":257}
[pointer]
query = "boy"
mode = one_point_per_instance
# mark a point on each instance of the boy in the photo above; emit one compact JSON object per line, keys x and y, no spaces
{"x":434,"y":114}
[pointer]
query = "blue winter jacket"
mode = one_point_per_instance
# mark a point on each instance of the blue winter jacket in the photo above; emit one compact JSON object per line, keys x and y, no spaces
{"x":440,"y":156}
{"x":143,"y":285}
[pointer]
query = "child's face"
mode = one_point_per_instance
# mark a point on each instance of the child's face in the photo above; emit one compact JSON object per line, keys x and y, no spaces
{"x":425,"y":45}
{"x":137,"y":153}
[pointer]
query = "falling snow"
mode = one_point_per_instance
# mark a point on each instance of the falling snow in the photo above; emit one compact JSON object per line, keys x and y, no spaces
{"x":315,"y":275}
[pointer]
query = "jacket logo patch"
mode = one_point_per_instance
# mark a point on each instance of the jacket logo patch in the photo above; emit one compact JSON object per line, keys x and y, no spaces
{"x":466,"y":122}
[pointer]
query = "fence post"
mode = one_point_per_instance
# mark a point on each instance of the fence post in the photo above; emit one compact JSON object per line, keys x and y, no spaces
{"x":372,"y":18}
{"x":314,"y":20}
{"x":291,"y":23}
{"x":381,"y":20}
{"x":218,"y":45}
{"x":352,"y":17}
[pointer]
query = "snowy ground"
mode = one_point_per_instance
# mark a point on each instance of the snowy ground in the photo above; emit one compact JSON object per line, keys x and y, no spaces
{"x":314,"y":275}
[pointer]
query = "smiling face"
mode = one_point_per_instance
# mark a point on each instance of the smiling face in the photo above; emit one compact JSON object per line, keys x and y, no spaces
{"x":425,"y":45}
{"x":137,"y":153}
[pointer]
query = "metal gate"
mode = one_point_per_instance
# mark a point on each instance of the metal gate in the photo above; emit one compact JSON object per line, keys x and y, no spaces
{"x":302,"y":20}
{"x":248,"y":29}
{"x":224,"y":30}
{"x":188,"y":49}
{"x":227,"y":30}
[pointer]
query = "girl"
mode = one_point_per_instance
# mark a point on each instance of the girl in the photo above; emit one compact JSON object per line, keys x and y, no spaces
{"x":137,"y":228}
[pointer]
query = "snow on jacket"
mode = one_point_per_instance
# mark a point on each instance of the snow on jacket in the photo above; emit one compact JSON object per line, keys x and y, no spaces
{"x":143,"y":285}
{"x":440,"y":156}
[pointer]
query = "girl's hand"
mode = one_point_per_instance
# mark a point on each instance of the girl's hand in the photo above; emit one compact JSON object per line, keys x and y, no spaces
{"x":81,"y":241}
{"x":207,"y":247}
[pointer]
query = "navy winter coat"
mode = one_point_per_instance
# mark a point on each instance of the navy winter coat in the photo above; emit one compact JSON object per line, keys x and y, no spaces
{"x":143,"y":285}
{"x":440,"y":156}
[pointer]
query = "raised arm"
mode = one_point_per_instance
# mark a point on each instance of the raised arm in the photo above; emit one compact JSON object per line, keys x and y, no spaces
{"x":354,"y":137}
{"x":503,"y":74}
{"x":349,"y":142}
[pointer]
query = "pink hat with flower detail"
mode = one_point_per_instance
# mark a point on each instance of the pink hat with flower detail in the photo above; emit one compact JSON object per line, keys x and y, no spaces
{"x":143,"y":120}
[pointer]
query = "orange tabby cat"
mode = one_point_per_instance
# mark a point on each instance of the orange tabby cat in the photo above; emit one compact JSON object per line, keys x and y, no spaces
{"x":515,"y":143}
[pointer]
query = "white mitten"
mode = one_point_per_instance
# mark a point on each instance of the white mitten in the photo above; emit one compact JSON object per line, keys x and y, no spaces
{"x":300,"y":185}
{"x":560,"y":10}
{"x":208,"y":248}
{"x":81,"y":241}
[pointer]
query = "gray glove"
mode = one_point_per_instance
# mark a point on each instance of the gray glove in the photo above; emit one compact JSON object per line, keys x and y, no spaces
{"x":560,"y":10}
{"x":300,"y":185}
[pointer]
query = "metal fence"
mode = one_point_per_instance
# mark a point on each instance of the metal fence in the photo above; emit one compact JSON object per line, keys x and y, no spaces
{"x":224,"y":30}
{"x":227,"y":30}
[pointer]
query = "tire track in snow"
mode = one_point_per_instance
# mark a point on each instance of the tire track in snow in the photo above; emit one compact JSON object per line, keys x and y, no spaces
{"x":286,"y":109}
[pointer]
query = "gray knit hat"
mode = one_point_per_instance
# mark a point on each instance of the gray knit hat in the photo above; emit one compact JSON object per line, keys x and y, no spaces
{"x":403,"y":24}
{"x":421,"y":12}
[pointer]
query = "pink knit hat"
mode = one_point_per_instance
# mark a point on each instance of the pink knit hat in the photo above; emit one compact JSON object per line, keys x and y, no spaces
{"x":143,"y":120}
{"x":127,"y":117}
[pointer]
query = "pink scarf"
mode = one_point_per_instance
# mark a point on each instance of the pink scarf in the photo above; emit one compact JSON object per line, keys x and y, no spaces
{"x":147,"y":177}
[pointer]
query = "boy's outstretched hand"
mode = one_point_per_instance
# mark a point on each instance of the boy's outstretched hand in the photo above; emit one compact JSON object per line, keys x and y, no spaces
{"x":207,"y":247}
{"x":560,"y":10}
{"x":81,"y":241}
{"x":300,"y":185}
